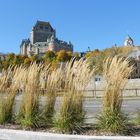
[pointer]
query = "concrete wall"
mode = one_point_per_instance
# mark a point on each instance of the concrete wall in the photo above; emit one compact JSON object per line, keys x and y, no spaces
{"x":99,"y":85}
{"x":132,"y":88}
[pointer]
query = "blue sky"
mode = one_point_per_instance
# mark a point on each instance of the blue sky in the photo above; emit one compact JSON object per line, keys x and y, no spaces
{"x":95,"y":23}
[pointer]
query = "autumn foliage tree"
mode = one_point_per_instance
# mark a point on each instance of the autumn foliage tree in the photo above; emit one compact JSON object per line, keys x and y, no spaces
{"x":63,"y":56}
{"x":34,"y":58}
{"x":94,"y":53}
{"x":49,"y":56}
{"x":97,"y":57}
{"x":52,"y":58}
{"x":10,"y":57}
{"x":27,"y":61}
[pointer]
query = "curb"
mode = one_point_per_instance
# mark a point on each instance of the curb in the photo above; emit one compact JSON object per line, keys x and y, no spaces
{"x":6,"y":134}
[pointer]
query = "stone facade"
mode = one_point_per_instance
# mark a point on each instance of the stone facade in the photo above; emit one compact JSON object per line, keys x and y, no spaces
{"x":43,"y":38}
{"x":3,"y":56}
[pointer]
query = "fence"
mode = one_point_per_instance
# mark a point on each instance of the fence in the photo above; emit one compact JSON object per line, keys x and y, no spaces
{"x":97,"y":93}
{"x":126,"y":93}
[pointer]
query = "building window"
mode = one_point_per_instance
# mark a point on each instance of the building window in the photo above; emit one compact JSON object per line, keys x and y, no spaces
{"x":41,"y":27}
{"x":46,"y":28}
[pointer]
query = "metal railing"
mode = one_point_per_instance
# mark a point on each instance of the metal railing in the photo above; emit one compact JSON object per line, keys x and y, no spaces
{"x":135,"y":92}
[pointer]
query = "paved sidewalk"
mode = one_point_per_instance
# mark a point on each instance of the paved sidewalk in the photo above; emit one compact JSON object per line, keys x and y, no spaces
{"x":6,"y":134}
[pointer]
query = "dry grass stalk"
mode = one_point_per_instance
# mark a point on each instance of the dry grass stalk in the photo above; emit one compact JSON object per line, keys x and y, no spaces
{"x":31,"y":88}
{"x":52,"y":81}
{"x":116,"y":71}
{"x":75,"y":77}
{"x":8,"y":87}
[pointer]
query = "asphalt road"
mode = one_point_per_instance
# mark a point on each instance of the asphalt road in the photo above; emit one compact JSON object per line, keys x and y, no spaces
{"x":93,"y":107}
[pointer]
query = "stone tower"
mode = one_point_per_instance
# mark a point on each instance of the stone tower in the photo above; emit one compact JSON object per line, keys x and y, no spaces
{"x":41,"y":32}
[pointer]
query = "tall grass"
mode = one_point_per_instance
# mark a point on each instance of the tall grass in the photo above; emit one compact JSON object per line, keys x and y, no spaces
{"x":75,"y":77}
{"x":72,"y":77}
{"x":116,"y":71}
{"x":8,"y":87}
{"x":51,"y":80}
{"x":29,"y":113}
{"x":137,"y":119}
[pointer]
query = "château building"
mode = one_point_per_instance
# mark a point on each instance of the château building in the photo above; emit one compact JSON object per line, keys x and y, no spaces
{"x":43,"y":38}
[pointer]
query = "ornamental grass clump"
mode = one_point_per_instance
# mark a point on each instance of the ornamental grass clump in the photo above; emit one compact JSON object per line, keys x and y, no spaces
{"x":29,"y":113}
{"x":74,"y":78}
{"x":8,"y":88}
{"x":116,"y":71}
{"x":51,"y":81}
{"x":137,"y":119}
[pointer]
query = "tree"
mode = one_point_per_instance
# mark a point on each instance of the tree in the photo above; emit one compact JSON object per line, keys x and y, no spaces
{"x":0,"y":64}
{"x":5,"y":64}
{"x":10,"y":58}
{"x":27,"y":61}
{"x":17,"y":60}
{"x":62,"y":56}
{"x":94,"y":53}
{"x":34,"y":58}
{"x":97,"y":62}
{"x":76,"y":55}
{"x":70,"y":55}
{"x":49,"y":56}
